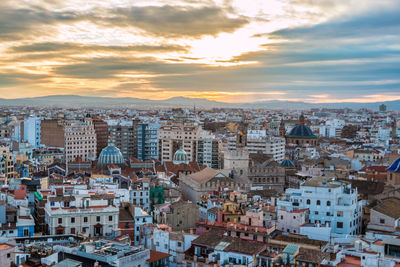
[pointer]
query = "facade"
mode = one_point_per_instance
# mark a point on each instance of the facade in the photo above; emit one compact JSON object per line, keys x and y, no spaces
{"x":140,"y":194}
{"x":52,"y":133}
{"x":331,"y":203}
{"x":147,"y":141}
{"x":271,"y":145}
{"x":6,"y":162}
{"x":208,"y":151}
{"x":141,"y":218}
{"x":236,"y":161}
{"x":124,"y":135}
{"x":269,"y":174}
{"x":290,"y":221}
{"x":385,"y":216}
{"x":174,"y":136}
{"x":180,"y":215}
{"x":95,"y":215}
{"x":196,"y":184}
{"x":101,"y":130}
{"x":80,"y":140}
{"x":32,"y":131}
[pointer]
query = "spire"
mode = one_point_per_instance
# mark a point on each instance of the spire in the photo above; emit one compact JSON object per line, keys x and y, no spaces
{"x":301,"y":119}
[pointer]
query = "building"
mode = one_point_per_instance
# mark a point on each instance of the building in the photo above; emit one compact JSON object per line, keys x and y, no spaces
{"x":147,"y":141}
{"x":385,"y":216}
{"x":331,"y":203}
{"x":393,"y":173}
{"x":101,"y":130}
{"x":174,"y":136}
{"x":197,"y":184}
{"x":52,"y":133}
{"x":6,"y":162}
{"x":290,"y":221}
{"x":236,"y":161}
{"x":208,"y":150}
{"x":110,"y":155}
{"x":302,"y":135}
{"x":269,"y":174}
{"x":95,"y":215}
{"x":141,"y":218}
{"x":140,"y":194}
{"x":181,"y":215}
{"x":80,"y":140}
{"x":124,"y":135}
{"x":32,"y":131}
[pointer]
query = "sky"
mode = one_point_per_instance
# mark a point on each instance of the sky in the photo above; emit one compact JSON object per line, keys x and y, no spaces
{"x":316,"y":51}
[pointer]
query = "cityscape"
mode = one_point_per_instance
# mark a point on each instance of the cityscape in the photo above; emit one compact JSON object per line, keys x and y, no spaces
{"x":180,"y":133}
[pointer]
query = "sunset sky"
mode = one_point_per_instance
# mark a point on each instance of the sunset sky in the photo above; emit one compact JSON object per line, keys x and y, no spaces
{"x":225,"y":50}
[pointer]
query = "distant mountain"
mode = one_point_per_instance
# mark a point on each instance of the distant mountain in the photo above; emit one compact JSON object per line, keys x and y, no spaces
{"x":185,"y":102}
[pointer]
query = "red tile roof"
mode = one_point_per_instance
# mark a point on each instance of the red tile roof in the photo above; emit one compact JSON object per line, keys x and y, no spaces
{"x":157,"y":255}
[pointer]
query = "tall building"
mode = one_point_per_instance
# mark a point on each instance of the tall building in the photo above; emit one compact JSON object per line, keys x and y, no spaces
{"x":101,"y":130}
{"x":32,"y":131}
{"x":124,"y":135}
{"x":147,"y":141}
{"x":80,"y":140}
{"x":52,"y":133}
{"x":173,"y":136}
{"x":208,"y":150}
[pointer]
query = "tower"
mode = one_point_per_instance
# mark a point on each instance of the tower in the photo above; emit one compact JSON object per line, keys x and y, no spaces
{"x":282,"y":130}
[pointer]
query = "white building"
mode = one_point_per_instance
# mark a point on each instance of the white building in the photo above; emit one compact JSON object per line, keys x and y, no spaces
{"x":332,"y":204}
{"x":141,"y":218}
{"x":96,"y":215}
{"x":32,"y":131}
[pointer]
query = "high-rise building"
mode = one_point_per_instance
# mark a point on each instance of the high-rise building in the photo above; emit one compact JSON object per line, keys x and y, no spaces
{"x":80,"y":140}
{"x":32,"y":131}
{"x":208,"y":150}
{"x":124,"y":135}
{"x":147,"y":141}
{"x":101,"y":129}
{"x":173,"y":136}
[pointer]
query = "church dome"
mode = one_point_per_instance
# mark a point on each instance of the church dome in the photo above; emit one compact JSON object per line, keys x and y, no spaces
{"x":180,"y":156}
{"x":395,"y":167}
{"x":302,"y":131}
{"x":287,"y":163}
{"x":110,"y":155}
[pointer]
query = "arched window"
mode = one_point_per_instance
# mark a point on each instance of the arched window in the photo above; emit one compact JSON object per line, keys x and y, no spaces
{"x":328,"y":203}
{"x":318,"y":202}
{"x":308,"y":202}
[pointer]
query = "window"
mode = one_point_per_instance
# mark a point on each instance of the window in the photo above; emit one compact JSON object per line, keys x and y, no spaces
{"x":328,"y":203}
{"x":60,"y":220}
{"x":294,"y":217}
{"x":382,"y":221}
{"x":318,"y":202}
{"x":85,"y":219}
{"x":8,"y":255}
{"x":72,"y":219}
{"x":97,"y":218}
{"x":340,"y":213}
{"x":110,"y":218}
{"x":316,"y":212}
{"x":339,"y":225}
{"x":308,"y":202}
{"x":179,"y":244}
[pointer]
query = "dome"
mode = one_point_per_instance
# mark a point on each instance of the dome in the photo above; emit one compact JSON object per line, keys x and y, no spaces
{"x":287,"y":163}
{"x":395,"y":167}
{"x":302,"y":131}
{"x":180,"y":156}
{"x":110,"y":155}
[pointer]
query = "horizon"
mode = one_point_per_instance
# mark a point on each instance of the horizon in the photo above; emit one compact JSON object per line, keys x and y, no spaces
{"x":331,"y":51}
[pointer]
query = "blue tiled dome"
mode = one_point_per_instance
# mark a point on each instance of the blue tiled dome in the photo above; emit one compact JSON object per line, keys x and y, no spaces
{"x":287,"y":163}
{"x":110,"y":155}
{"x":395,"y":167}
{"x":301,"y":130}
{"x":180,"y":156}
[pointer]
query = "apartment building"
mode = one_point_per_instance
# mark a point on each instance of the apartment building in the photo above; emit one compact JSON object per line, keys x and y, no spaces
{"x":95,"y":215}
{"x":147,"y":141}
{"x":52,"y":133}
{"x":208,"y":150}
{"x":173,"y":136}
{"x":6,"y":162}
{"x":334,"y":208}
{"x":80,"y":140}
{"x":101,"y":130}
{"x":124,"y":135}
